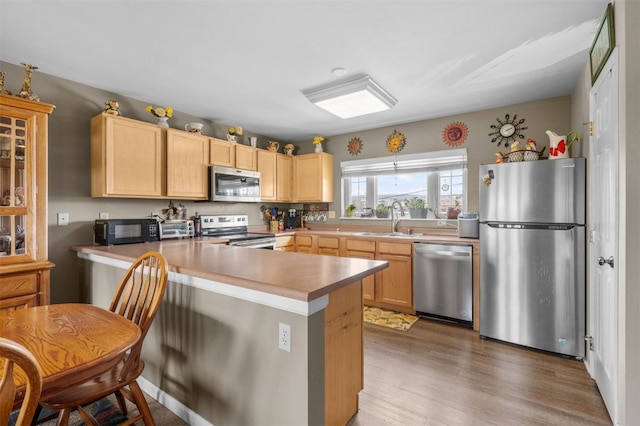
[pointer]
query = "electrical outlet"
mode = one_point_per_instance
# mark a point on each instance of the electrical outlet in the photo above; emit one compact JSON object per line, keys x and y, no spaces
{"x":284,"y":337}
{"x":442,"y":222}
{"x":332,"y":214}
{"x":63,"y":219}
{"x":103,"y":215}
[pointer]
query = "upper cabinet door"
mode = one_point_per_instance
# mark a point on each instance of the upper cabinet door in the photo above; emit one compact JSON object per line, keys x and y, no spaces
{"x":187,"y":163}
{"x":222,"y":153}
{"x":246,"y":157}
{"x":267,"y":169}
{"x":284,"y":178}
{"x":127,"y":158}
{"x":314,"y":177}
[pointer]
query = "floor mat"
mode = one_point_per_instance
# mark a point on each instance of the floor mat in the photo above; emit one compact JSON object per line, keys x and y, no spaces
{"x":391,"y":319}
{"x":103,"y":410}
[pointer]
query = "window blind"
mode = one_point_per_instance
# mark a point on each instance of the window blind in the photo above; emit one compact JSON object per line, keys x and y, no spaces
{"x":407,"y":163}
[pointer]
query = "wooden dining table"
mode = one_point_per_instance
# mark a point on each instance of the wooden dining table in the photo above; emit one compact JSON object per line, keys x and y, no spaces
{"x":72,"y":342}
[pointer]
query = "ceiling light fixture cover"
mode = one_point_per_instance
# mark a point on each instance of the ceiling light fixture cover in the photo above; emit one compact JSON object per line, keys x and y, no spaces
{"x":352,"y":98}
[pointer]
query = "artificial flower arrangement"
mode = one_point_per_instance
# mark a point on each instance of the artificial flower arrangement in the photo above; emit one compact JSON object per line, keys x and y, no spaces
{"x":235,"y":131}
{"x":317,"y":140}
{"x":159,"y":111}
{"x":112,"y":107}
{"x":288,"y":149}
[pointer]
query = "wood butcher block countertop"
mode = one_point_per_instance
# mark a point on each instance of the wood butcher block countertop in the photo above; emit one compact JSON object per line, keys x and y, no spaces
{"x":299,"y":276}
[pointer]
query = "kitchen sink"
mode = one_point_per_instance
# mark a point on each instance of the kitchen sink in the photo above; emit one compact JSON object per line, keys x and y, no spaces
{"x":386,"y":234}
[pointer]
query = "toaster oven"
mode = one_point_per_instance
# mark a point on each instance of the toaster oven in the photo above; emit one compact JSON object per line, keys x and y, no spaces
{"x":176,"y":229}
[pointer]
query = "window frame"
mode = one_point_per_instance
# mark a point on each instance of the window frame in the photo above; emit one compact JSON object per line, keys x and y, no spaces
{"x":432,"y":163}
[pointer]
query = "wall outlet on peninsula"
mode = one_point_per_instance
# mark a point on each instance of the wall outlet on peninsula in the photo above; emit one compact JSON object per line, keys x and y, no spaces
{"x":284,"y":337}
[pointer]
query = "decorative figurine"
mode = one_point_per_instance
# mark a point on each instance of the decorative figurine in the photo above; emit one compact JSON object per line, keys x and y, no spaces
{"x":26,"y":91}
{"x":112,"y":108}
{"x":3,"y":89}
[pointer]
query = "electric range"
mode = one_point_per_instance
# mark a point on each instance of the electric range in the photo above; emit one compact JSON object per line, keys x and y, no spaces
{"x":234,"y":228}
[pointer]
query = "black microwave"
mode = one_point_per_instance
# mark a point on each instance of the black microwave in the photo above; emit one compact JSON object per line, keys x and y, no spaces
{"x":125,"y":231}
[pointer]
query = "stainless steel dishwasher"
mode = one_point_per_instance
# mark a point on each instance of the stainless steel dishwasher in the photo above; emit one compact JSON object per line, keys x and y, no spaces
{"x":443,"y":281}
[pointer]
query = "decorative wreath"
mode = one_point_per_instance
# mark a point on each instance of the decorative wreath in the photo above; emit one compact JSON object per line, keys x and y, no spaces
{"x":454,"y":134}
{"x":354,"y":146}
{"x":396,"y":142}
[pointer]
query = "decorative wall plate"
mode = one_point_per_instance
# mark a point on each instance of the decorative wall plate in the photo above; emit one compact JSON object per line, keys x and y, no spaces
{"x":354,"y":146}
{"x":507,"y":130}
{"x":396,"y":142}
{"x":454,"y":134}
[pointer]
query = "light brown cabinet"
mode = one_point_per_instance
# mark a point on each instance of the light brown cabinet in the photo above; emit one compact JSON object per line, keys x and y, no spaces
{"x":343,"y":354}
{"x":394,"y":285}
{"x":133,"y":159}
{"x":275,"y":176}
{"x":313,"y":176}
{"x":363,"y":249}
{"x":304,"y":244}
{"x":24,"y":265}
{"x":268,"y":177}
{"x":329,"y":246}
{"x":285,"y":243}
{"x":246,"y":157}
{"x":231,"y":154}
{"x":128,"y":158}
{"x":391,"y":288}
{"x":222,"y":153}
{"x":187,"y":158}
{"x":284,"y":178}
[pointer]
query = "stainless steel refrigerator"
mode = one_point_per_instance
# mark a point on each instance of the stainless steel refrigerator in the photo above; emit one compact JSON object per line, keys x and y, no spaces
{"x":532,"y":254}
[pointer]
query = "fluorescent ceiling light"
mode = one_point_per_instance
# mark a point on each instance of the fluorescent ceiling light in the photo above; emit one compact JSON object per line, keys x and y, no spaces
{"x":352,"y":98}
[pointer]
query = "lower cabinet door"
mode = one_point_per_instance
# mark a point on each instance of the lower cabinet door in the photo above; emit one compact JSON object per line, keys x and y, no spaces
{"x":394,"y":284}
{"x":368,"y":283}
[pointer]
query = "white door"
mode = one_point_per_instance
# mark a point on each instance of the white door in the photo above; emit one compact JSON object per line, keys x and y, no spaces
{"x":603,"y":219}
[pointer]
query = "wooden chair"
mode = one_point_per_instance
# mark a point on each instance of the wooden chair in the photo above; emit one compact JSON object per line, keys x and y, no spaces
{"x":14,"y":354}
{"x":138,"y":298}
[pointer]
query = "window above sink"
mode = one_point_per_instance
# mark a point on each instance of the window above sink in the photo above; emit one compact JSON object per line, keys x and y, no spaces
{"x":439,"y":178}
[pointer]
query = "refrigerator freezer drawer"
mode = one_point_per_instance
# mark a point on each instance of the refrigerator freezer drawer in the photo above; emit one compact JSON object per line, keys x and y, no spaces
{"x":532,"y":287}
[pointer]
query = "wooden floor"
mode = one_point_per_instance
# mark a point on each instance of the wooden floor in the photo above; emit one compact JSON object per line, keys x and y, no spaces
{"x":442,"y":374}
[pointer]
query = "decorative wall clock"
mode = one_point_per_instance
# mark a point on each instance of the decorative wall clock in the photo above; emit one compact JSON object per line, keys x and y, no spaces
{"x":454,"y":134}
{"x":507,"y":130}
{"x":354,"y":146}
{"x":396,"y":142}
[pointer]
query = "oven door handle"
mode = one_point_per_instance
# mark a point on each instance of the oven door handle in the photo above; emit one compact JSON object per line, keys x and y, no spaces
{"x":255,"y":243}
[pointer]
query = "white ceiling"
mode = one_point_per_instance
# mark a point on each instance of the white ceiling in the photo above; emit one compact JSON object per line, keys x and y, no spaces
{"x":246,"y":62}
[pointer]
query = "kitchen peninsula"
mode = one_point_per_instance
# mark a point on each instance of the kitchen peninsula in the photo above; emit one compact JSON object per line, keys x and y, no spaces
{"x":212,"y":352}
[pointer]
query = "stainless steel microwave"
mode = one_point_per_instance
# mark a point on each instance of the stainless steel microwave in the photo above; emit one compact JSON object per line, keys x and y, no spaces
{"x":227,"y":184}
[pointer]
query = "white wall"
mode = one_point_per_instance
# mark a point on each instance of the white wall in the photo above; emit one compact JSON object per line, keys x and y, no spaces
{"x":627,"y":19}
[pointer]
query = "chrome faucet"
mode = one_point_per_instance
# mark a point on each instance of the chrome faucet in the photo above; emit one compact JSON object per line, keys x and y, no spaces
{"x":394,"y":220}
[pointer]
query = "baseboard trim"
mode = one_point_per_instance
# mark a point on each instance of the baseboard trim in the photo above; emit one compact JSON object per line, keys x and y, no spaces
{"x":172,"y":404}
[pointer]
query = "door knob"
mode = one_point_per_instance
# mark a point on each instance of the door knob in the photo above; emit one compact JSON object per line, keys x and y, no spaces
{"x":602,"y":261}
